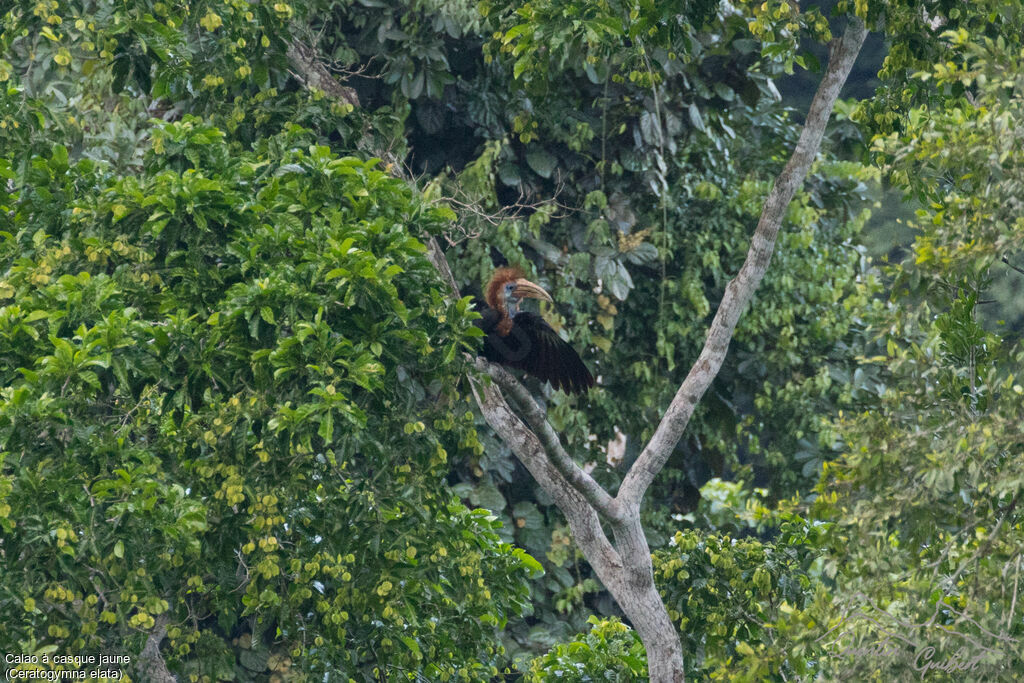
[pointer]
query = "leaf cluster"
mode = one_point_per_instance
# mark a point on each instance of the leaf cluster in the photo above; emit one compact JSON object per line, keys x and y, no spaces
{"x":229,"y":403}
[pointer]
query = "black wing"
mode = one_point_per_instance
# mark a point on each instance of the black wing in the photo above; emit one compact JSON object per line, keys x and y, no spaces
{"x":532,"y":345}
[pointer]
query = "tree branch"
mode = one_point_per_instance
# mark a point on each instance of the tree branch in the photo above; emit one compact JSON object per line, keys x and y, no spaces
{"x":843,"y":51}
{"x":440,"y":262}
{"x":311,"y":71}
{"x":547,"y":439}
{"x":151,"y":662}
{"x":1006,"y":260}
{"x":574,"y":475}
{"x":582,"y":517}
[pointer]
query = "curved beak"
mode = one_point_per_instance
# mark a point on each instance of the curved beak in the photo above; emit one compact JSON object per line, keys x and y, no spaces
{"x":528,"y":290}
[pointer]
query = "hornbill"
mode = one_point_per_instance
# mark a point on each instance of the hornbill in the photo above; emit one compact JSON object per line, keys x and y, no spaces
{"x":522,"y":340}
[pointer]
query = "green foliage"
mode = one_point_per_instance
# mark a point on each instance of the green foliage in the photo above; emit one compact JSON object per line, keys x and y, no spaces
{"x":229,"y":399}
{"x":743,"y":606}
{"x":410,"y":37}
{"x":609,"y":651}
{"x":961,"y":161}
{"x":925,"y":496}
{"x":916,"y":32}
{"x":231,"y":377}
{"x":93,"y":75}
{"x":729,"y":506}
{"x":641,"y":42}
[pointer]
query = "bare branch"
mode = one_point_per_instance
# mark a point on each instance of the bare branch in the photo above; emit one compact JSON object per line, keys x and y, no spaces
{"x":463,"y":201}
{"x":574,"y":475}
{"x":1013,"y":603}
{"x":437,"y":258}
{"x":343,"y":70}
{"x":471,"y":207}
{"x":312,"y":72}
{"x":582,"y":517}
{"x":1006,"y":260}
{"x":843,"y":51}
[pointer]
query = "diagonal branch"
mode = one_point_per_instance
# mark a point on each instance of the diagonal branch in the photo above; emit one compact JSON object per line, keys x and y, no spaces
{"x":582,"y":517}
{"x":310,"y":70}
{"x":842,"y":54}
{"x":1006,"y":260}
{"x":574,"y":475}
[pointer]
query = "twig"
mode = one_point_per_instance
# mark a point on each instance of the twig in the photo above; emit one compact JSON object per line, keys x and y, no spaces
{"x":466,"y":205}
{"x":1006,"y":260}
{"x":1013,"y":603}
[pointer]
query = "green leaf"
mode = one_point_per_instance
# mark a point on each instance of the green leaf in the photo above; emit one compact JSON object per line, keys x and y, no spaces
{"x":326,"y":430}
{"x":541,"y":161}
{"x":521,"y":65}
{"x":535,"y":567}
{"x":695,"y":118}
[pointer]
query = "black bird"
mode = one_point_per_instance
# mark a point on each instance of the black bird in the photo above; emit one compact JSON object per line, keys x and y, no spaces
{"x":523,"y":340}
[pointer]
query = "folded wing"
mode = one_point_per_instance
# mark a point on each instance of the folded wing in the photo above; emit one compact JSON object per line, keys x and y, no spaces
{"x":534,"y":346}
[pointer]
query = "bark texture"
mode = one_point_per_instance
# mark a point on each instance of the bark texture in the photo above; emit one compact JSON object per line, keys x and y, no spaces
{"x":309,"y":68}
{"x":151,"y":665}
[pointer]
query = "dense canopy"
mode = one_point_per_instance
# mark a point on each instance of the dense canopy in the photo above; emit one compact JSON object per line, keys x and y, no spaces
{"x":245,"y":433}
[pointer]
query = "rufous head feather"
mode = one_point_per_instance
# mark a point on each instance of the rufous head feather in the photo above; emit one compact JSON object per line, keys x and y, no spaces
{"x":501,"y":277}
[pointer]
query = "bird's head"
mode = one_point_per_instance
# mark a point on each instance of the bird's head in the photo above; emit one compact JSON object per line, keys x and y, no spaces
{"x":508,"y":287}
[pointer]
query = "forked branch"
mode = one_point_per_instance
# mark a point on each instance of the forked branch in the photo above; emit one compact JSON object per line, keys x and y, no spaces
{"x":740,"y":290}
{"x":535,"y":418}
